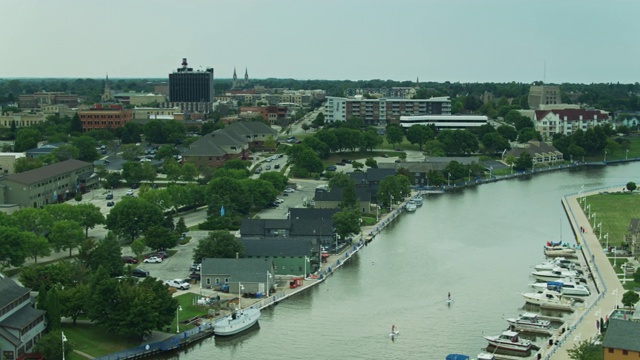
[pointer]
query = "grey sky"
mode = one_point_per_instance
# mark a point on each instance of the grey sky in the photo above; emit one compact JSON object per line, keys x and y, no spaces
{"x":444,"y":40}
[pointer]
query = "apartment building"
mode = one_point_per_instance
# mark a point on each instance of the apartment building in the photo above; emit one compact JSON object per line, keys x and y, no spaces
{"x":567,"y":121}
{"x":383,"y":111}
{"x":99,"y":117}
{"x":37,"y":100}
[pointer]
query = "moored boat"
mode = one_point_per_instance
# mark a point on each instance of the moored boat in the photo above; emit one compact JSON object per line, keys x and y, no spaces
{"x":557,"y":274}
{"x":528,"y":322}
{"x":550,"y":300}
{"x":558,"y":262}
{"x":565,"y":287}
{"x":481,"y":356}
{"x":417,"y":200}
{"x":236,"y":322}
{"x":509,"y":340}
{"x":559,"y":250}
{"x":410,"y":206}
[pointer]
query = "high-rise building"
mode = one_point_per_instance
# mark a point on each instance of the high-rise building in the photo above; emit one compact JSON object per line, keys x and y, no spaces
{"x":191,"y":90}
{"x":543,"y":95}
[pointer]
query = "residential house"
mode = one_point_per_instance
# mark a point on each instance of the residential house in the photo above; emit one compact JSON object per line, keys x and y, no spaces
{"x":333,"y":198}
{"x":47,"y":185}
{"x":289,"y":256}
{"x":236,"y":141}
{"x":42,"y":150}
{"x":540,"y":152}
{"x":370,"y":180}
{"x":622,"y":340}
{"x":255,"y":275}
{"x":20,"y":324}
{"x":419,"y":170}
{"x":319,"y":231}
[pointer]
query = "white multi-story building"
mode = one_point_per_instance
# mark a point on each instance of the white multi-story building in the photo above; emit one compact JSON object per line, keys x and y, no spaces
{"x":567,"y":121}
{"x":384,"y":110}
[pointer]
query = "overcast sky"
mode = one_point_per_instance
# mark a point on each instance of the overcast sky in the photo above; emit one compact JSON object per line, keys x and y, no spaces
{"x":436,"y":40}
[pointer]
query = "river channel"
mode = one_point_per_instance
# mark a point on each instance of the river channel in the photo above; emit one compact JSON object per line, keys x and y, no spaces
{"x":478,"y":243}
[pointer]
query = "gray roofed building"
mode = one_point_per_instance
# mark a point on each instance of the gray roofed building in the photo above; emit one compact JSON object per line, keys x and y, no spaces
{"x":290,"y":256}
{"x":42,"y":150}
{"x":311,"y":214}
{"x":622,"y":335}
{"x":319,"y":231}
{"x":333,"y":198}
{"x":20,"y":323}
{"x":48,"y":184}
{"x":251,"y":273}
{"x":541,"y":153}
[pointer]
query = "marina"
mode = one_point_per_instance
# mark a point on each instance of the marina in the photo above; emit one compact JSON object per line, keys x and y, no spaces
{"x":353,"y":303}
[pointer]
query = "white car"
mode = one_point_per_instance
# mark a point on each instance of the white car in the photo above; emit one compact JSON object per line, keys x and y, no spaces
{"x":279,"y":201}
{"x":153,"y":259}
{"x":178,"y":284}
{"x":289,"y":190}
{"x":129,"y":192}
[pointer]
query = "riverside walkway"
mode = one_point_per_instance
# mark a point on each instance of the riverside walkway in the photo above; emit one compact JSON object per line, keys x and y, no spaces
{"x":583,"y":327}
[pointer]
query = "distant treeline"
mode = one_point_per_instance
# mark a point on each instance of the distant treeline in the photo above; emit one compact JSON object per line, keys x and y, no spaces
{"x":607,"y":96}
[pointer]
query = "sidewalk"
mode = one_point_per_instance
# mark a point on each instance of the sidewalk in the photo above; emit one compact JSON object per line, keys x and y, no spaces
{"x":606,"y":279}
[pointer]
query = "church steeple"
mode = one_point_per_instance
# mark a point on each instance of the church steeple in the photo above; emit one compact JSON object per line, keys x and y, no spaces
{"x":235,"y":78}
{"x":246,"y":76}
{"x":106,"y":95}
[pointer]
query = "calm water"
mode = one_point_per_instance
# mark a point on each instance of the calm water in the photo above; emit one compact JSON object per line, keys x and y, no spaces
{"x":479,"y":244}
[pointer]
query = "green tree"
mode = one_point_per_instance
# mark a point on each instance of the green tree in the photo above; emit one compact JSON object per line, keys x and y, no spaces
{"x":339,"y":179}
{"x":34,"y":220}
{"x":494,"y":142}
{"x":86,"y":146}
{"x":26,"y":138}
{"x":305,"y":127}
{"x":131,"y":217}
{"x":189,"y":172}
{"x":219,"y":244}
{"x":88,"y":216}
{"x":524,"y":162}
{"x":631,"y":186}
{"x":276,"y":179}
{"x":371,"y":139}
{"x":12,"y":247}
{"x":130,"y":133}
{"x":171,"y":169}
{"x":181,"y":228}
{"x":76,"y":124}
{"x":167,"y":152}
{"x":270,"y":142}
{"x":53,"y":309}
{"x":66,"y":152}
{"x":394,"y":135}
{"x":132,"y":172}
{"x":419,"y":134}
{"x":527,"y":134}
{"x":261,"y":192}
{"x":159,"y":237}
{"x":586,"y":350}
{"x":25,"y":164}
{"x":108,"y":254}
{"x":349,"y":196}
{"x":508,"y":132}
{"x":35,"y":246}
{"x":73,"y":301}
{"x":66,"y":235}
{"x":138,"y":247}
{"x":130,"y":151}
{"x":318,"y":121}
{"x":347,"y":222}
{"x":630,"y":298}
{"x":371,"y":162}
{"x":50,"y":346}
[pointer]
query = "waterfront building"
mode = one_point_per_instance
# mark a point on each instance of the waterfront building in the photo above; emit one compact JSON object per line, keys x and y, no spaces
{"x":251,"y":273}
{"x":383,"y":111}
{"x":543,"y":95}
{"x":622,"y":340}
{"x":287,"y":255}
{"x":99,"y":117}
{"x":445,"y":122}
{"x":47,"y":185}
{"x":567,"y":121}
{"x":540,"y":152}
{"x":20,"y":324}
{"x":331,"y":199}
{"x":319,"y":231}
{"x":191,"y":90}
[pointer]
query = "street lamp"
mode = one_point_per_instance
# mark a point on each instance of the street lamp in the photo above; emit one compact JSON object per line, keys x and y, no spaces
{"x":448,"y":177}
{"x":177,"y":319}
{"x":511,"y":168}
{"x":594,"y":219}
{"x":490,"y":170}
{"x":605,"y":155}
{"x":268,"y":277}
{"x":390,"y":202}
{"x":606,"y":236}
{"x":469,"y":175}
{"x":306,"y":259}
{"x":64,"y":340}
{"x":600,"y":230}
{"x":626,"y":156}
{"x":589,"y":214}
{"x":240,"y":288}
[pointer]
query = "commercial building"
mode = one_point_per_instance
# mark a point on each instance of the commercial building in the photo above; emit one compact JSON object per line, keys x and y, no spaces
{"x":39,"y":99}
{"x":622,"y":340}
{"x":270,"y":114}
{"x":540,"y":152}
{"x":383,"y":111}
{"x":253,"y":274}
{"x":543,"y":95}
{"x":99,"y":117}
{"x":20,"y":324}
{"x":445,"y":122}
{"x":150,"y":113}
{"x":9,"y":119}
{"x":191,"y":90}
{"x":47,"y":185}
{"x":7,"y":161}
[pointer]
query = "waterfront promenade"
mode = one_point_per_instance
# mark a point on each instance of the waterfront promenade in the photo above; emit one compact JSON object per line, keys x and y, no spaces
{"x":584,"y":327}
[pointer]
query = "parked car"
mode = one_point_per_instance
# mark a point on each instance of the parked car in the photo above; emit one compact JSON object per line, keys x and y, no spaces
{"x":135,"y":185}
{"x":178,"y":284}
{"x":195,"y":267}
{"x":279,"y":201}
{"x":109,"y":196}
{"x":129,"y":192}
{"x":137,"y":272}
{"x":129,"y":260}
{"x":346,"y":161}
{"x":332,"y":168}
{"x":194,"y":276}
{"x":289,"y":190}
{"x":153,"y":259}
{"x":268,"y":167}
{"x":276,"y":166}
{"x":163,"y":254}
{"x":110,"y":203}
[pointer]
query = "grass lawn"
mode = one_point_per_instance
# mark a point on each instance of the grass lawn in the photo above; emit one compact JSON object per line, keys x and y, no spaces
{"x":189,"y":310}
{"x":96,"y":341}
{"x":368,"y":221}
{"x":614,"y":211}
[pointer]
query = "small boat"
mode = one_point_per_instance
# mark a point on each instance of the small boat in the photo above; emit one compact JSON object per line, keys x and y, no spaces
{"x":529,"y":321}
{"x":558,"y":262}
{"x":481,"y":356}
{"x":557,"y":274}
{"x":236,"y":322}
{"x":549,"y":299}
{"x":553,"y":251}
{"x":565,"y":287}
{"x":411,"y":206}
{"x":509,"y":340}
{"x":417,"y":200}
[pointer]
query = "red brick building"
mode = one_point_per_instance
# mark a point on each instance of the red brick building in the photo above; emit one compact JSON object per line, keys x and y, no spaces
{"x":100,"y":117}
{"x":270,"y":114}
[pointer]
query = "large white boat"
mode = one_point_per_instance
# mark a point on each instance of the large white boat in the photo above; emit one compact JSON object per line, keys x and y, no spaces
{"x":529,"y":322}
{"x":236,"y":322}
{"x":549,"y":299}
{"x":565,"y":287}
{"x":557,"y":274}
{"x":411,"y":206}
{"x":417,"y":200}
{"x":559,"y":250}
{"x":509,"y":340}
{"x":481,"y":356}
{"x":558,"y":262}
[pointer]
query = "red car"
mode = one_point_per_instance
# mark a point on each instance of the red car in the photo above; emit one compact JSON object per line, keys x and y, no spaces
{"x":129,"y":260}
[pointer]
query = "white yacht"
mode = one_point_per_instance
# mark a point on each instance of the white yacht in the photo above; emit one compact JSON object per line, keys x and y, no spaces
{"x":557,"y":274}
{"x":565,"y":287}
{"x":559,"y":262}
{"x":529,"y":322}
{"x":550,"y":300}
{"x":411,"y":206}
{"x":417,"y":200}
{"x":553,"y":251}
